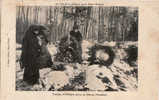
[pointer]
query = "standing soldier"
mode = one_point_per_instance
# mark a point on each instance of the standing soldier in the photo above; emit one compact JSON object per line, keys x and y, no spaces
{"x":31,"y":53}
{"x":76,"y":38}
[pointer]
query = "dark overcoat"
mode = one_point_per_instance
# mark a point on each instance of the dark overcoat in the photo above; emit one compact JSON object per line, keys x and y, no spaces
{"x":30,"y":53}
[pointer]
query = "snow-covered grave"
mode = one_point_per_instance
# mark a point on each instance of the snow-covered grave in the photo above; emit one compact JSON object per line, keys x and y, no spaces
{"x":119,"y":76}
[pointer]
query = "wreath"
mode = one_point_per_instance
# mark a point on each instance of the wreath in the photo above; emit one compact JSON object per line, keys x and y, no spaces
{"x":95,"y":60}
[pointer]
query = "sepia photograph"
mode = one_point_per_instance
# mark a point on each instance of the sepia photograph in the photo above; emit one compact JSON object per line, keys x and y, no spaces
{"x":76,"y":48}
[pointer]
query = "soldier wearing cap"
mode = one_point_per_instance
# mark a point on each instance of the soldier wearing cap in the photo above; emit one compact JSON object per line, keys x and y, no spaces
{"x":76,"y":37}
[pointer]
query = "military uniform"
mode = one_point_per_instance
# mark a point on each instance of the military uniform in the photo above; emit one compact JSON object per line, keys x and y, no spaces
{"x":76,"y":39}
{"x":30,"y":53}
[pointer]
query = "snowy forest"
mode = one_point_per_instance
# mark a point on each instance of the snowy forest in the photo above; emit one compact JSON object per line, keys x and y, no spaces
{"x":96,"y":23}
{"x":105,"y":58}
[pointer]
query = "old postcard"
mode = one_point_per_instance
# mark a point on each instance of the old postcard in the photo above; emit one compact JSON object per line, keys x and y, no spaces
{"x":67,"y":49}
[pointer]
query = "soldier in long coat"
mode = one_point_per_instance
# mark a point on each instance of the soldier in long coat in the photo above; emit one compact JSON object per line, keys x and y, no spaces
{"x":31,"y":53}
{"x":76,"y":38}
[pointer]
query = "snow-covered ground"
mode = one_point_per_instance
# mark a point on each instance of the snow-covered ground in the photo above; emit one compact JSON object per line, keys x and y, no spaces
{"x":119,"y":76}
